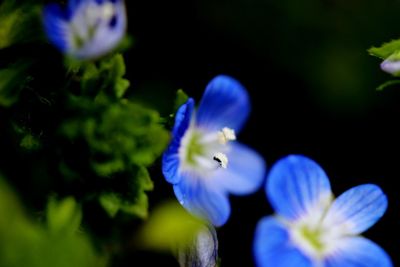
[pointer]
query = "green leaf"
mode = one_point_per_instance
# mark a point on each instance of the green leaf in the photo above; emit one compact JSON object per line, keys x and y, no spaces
{"x":111,"y":203}
{"x":26,"y":242}
{"x":90,"y":79}
{"x":387,"y":84}
{"x":113,"y":69}
{"x":63,"y":216}
{"x":386,"y":49}
{"x":181,"y":98}
{"x":120,"y":87}
{"x":126,"y":43}
{"x":19,"y":22}
{"x":103,"y":79}
{"x":30,"y":142}
{"x":106,"y":169}
{"x":12,"y":80}
{"x":145,"y":181}
{"x":27,"y":139}
{"x":135,"y":203}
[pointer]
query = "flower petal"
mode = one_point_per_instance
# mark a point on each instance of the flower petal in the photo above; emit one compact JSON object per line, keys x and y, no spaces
{"x":56,"y":26}
{"x":390,"y":66}
{"x":170,"y":160}
{"x":73,"y":5}
{"x":225,"y":103}
{"x":245,"y":172}
{"x":272,"y":246}
{"x":357,"y":252}
{"x":202,"y":201}
{"x":357,"y":209}
{"x":202,"y":251}
{"x":297,"y":186}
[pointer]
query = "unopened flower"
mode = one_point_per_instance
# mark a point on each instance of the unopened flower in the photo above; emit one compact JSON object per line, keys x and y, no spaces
{"x":202,"y":251}
{"x":392,"y":64}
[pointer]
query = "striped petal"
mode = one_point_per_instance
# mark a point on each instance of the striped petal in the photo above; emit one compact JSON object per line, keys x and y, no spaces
{"x":297,"y":187}
{"x":357,"y":209}
{"x":225,"y":103}
{"x":273,"y":248}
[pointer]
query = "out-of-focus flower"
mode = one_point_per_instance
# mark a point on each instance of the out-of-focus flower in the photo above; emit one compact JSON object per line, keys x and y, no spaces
{"x":392,"y":64}
{"x":202,"y":251}
{"x":311,"y":229}
{"x":86,"y":29}
{"x":203,"y":161}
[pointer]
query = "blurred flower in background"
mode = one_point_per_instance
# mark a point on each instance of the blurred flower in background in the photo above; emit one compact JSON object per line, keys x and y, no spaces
{"x":203,"y":161}
{"x":391,"y":65}
{"x":172,"y":229}
{"x":86,"y":28}
{"x":311,"y":229}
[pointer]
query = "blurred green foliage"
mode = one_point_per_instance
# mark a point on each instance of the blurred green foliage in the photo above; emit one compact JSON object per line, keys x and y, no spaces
{"x":169,"y":227}
{"x":54,"y":242}
{"x":83,"y":148}
{"x":12,"y":81}
{"x":15,"y":18}
{"x":386,"y":49}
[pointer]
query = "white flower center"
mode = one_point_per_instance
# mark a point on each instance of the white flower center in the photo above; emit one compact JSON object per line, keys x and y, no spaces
{"x":313,"y":234}
{"x":203,"y":152}
{"x":88,"y":19}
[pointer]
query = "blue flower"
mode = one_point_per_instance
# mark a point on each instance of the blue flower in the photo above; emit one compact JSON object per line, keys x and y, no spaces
{"x":86,"y":29}
{"x":203,"y":161}
{"x":311,"y":229}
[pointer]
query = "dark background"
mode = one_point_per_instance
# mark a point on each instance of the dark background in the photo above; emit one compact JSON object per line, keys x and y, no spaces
{"x":311,"y":82}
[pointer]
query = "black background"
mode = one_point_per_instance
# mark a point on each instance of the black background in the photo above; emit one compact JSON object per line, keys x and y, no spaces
{"x":311,"y":82}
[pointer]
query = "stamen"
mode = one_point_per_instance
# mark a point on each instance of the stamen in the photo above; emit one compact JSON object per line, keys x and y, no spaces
{"x":225,"y":135}
{"x":203,"y":151}
{"x":222,"y":159}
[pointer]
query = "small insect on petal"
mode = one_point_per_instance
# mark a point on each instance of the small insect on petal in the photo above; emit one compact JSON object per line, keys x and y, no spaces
{"x":222,"y":159}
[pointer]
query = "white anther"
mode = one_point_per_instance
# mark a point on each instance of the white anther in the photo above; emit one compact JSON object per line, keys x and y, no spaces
{"x":227,"y":134}
{"x":222,"y":159}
